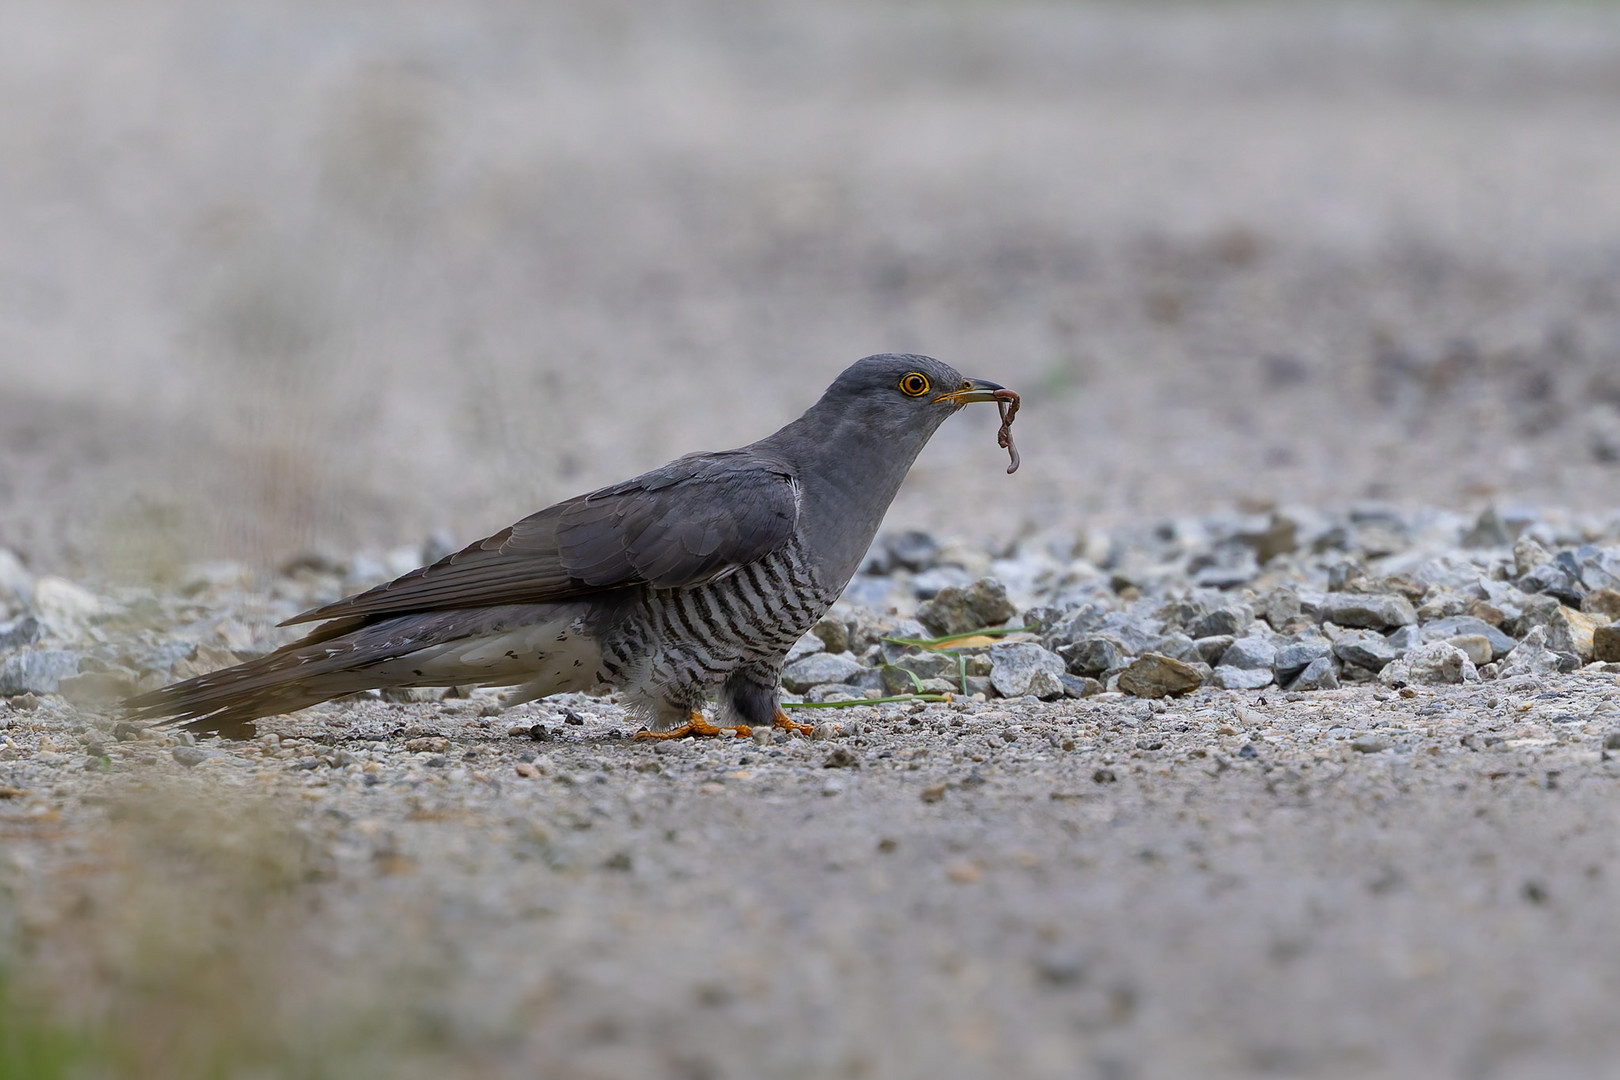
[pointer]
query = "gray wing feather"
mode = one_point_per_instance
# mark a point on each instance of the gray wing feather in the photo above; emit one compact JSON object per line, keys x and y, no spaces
{"x":693,"y":520}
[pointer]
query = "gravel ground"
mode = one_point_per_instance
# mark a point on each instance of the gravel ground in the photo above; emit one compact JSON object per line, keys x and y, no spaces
{"x":1313,"y":310}
{"x":1150,"y":828}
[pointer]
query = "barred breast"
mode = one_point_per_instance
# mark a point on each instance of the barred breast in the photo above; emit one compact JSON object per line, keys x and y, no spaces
{"x":675,"y":646}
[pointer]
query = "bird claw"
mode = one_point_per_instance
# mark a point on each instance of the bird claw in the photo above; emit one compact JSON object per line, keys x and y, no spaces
{"x":696,"y":725}
{"x":786,"y":723}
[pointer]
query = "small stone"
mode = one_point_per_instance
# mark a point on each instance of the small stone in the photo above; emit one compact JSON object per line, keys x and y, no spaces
{"x":807,"y":645}
{"x":833,"y":632}
{"x":23,"y":630}
{"x":1296,"y":656}
{"x":841,"y":757}
{"x":914,"y":550}
{"x":1364,"y":648}
{"x":1571,"y":631}
{"x":1477,"y":647}
{"x":1211,"y":649}
{"x":1375,"y":611}
{"x":1606,"y":644}
{"x":1104,"y":776}
{"x":1531,"y":656}
{"x":528,"y":770}
{"x":1319,"y":674}
{"x":1077,"y":687}
{"x":1094,"y":655}
{"x":1468,"y":626}
{"x":1231,"y":620}
{"x":1369,"y":744}
{"x":1249,"y":652}
{"x":1235,"y":678}
{"x":428,"y":744}
{"x":824,"y":731}
{"x":1605,"y":602}
{"x":37,"y":671}
{"x":1527,"y":555}
{"x":1156,"y":676}
{"x":1611,"y":741}
{"x":820,"y":668}
{"x":1279,"y":605}
{"x":189,"y":756}
{"x":1434,"y":664}
{"x":964,"y":872}
{"x":1178,"y":645}
{"x":933,"y":793}
{"x":1043,"y":685}
{"x":1013,"y":668}
{"x":958,"y":609}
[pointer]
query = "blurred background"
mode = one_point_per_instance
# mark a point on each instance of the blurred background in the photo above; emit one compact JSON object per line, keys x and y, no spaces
{"x":281,"y":277}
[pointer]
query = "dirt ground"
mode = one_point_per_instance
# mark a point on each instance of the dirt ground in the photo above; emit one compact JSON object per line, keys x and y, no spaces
{"x":328,"y":277}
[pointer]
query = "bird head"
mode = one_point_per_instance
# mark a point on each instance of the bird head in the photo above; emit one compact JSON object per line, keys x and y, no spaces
{"x":902,"y":393}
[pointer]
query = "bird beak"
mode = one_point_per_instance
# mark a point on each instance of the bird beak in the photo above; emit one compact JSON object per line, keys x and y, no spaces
{"x":972,"y":390}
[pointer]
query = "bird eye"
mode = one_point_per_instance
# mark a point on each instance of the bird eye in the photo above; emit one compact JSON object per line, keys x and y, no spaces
{"x":914,"y":384}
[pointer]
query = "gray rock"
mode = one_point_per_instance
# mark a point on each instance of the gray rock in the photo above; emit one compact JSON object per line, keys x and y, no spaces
{"x":1554,"y":579}
{"x":1296,"y":656}
{"x":1406,"y":637}
{"x":1364,"y":648}
{"x":1434,"y":664}
{"x":189,"y":756}
{"x":1076,"y":687}
{"x":1232,"y":619}
{"x":1534,"y":610}
{"x":914,"y":550}
{"x":1461,"y":625}
{"x":833,"y":632}
{"x":24,"y":630}
{"x":1156,"y":676}
{"x":1278,"y":606}
{"x":1531,"y":657}
{"x":819,"y":668}
{"x":1369,"y":744}
{"x":1094,"y":655}
{"x":930,"y":583}
{"x":1319,"y":674}
{"x":1236,"y":678}
{"x":1606,"y":644}
{"x":1212,"y":648}
{"x":808,"y":645}
{"x":1375,"y":611}
{"x":961,"y":608}
{"x":37,"y":671}
{"x":1014,"y":666}
{"x":1477,"y":647}
{"x":1250,"y":653}
{"x":1528,"y":555}
{"x":1178,"y":645}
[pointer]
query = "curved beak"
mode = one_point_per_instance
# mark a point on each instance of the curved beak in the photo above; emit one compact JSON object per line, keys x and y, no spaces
{"x":972,"y":390}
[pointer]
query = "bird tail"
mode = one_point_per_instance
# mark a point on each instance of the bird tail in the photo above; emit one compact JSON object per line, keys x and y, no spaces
{"x":541,"y":645}
{"x":326,"y":664}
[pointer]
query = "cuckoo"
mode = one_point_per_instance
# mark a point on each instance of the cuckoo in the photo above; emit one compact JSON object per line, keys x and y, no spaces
{"x":686,"y":584}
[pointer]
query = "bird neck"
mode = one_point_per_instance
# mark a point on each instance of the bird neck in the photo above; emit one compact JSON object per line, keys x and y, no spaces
{"x":849,"y":469}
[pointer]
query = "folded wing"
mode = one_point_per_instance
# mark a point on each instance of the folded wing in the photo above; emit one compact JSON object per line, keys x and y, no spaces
{"x":694,"y":520}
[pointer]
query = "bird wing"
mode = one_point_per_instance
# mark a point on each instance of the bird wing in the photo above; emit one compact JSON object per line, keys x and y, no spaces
{"x":696,"y":519}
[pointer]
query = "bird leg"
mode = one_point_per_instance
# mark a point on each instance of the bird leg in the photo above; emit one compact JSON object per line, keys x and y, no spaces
{"x":696,"y":725}
{"x":787,"y":723}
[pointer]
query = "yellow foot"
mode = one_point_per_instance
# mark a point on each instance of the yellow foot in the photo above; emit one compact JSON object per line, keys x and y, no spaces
{"x":696,"y":725}
{"x":786,"y":723}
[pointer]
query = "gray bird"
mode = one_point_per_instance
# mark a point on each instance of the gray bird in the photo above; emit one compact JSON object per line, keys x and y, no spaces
{"x":689,"y":581}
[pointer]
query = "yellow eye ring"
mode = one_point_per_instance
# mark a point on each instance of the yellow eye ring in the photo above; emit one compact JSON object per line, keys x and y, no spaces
{"x":914,"y":384}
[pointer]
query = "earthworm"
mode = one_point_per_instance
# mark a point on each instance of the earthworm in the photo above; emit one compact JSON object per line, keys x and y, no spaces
{"x":1007,"y":402}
